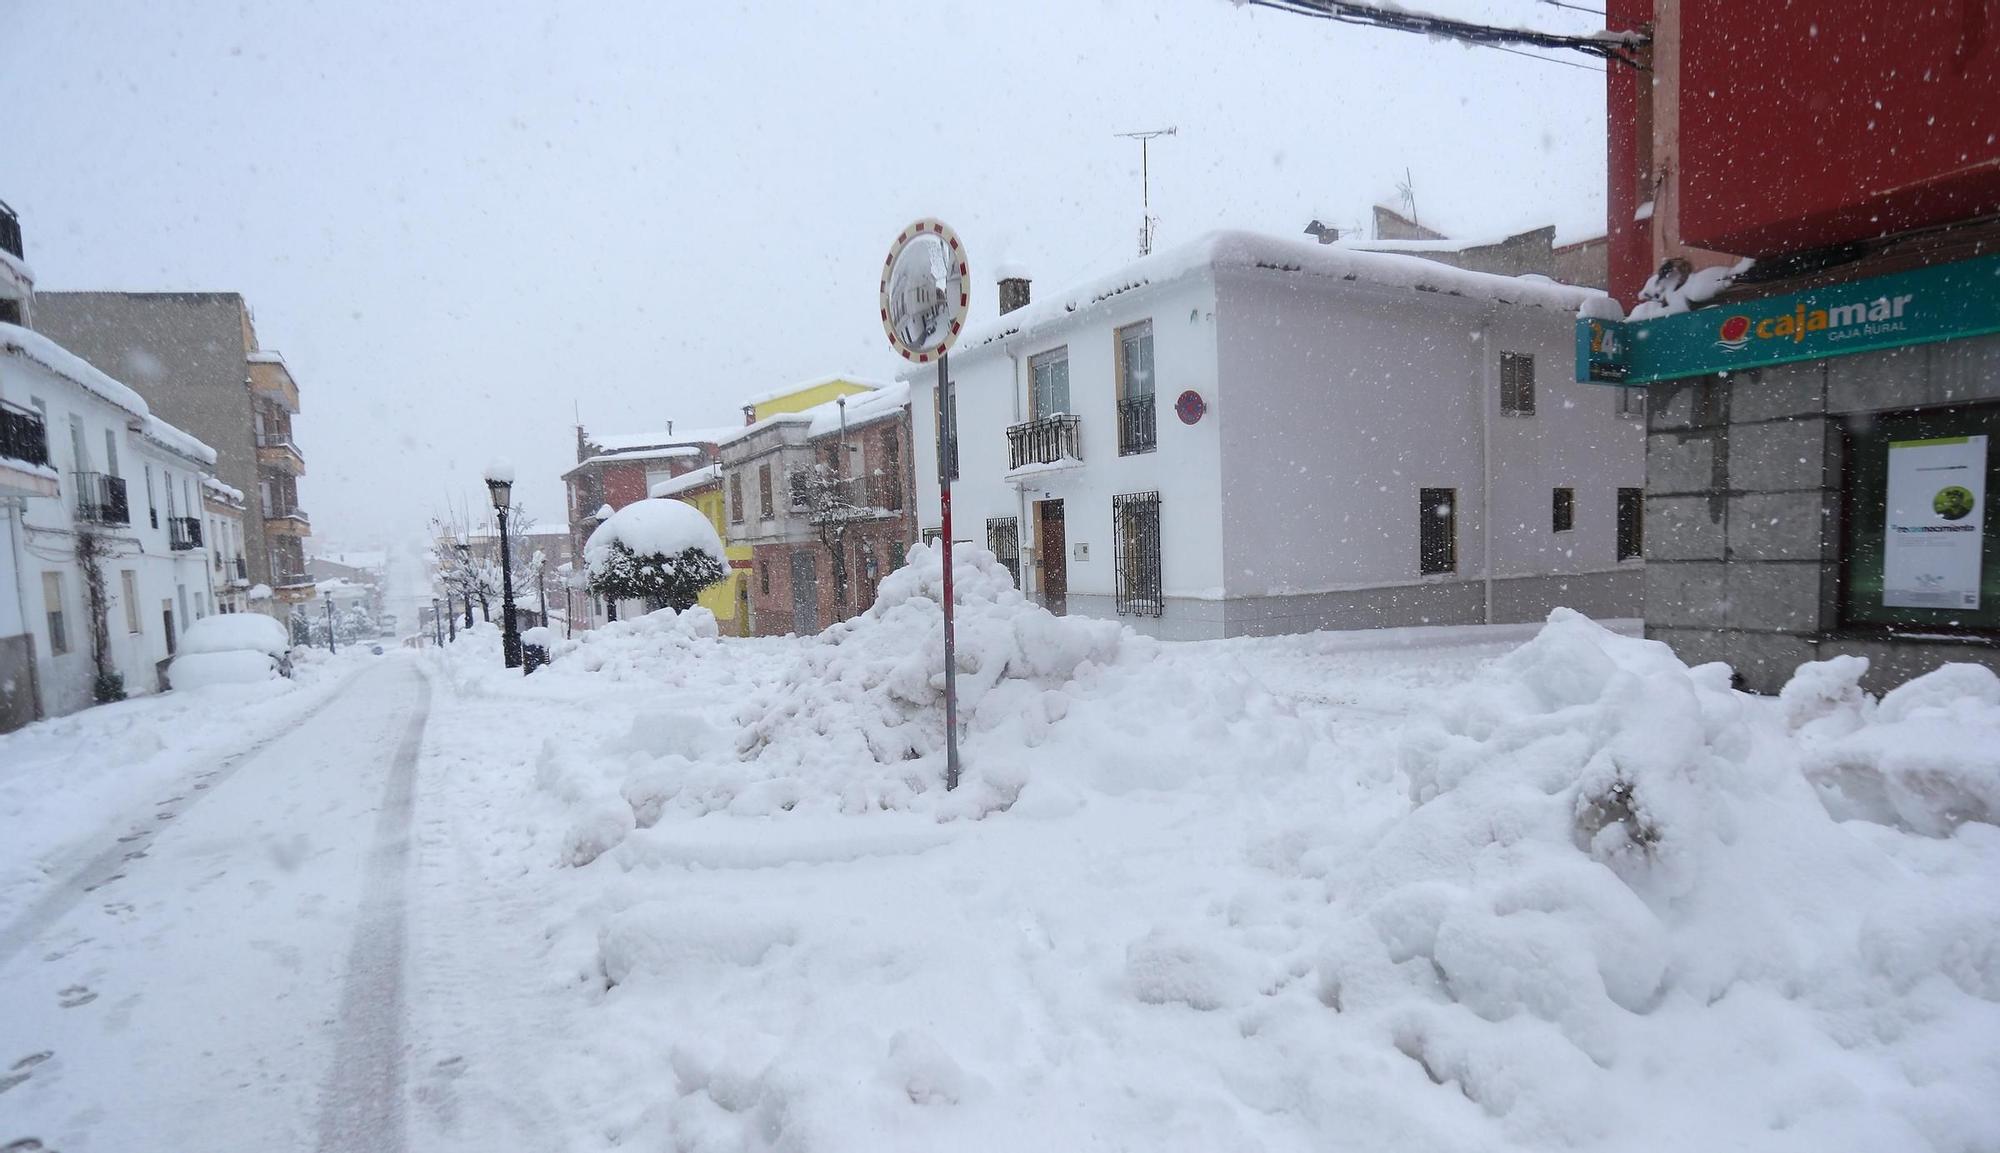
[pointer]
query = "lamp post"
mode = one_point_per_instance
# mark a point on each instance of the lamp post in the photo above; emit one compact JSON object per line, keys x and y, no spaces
{"x":328,"y":599}
{"x":450,"y":619}
{"x":500,"y":485}
{"x":437,"y":624}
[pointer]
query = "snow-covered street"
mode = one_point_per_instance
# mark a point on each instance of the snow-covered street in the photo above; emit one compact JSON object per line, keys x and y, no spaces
{"x":1518,"y":888}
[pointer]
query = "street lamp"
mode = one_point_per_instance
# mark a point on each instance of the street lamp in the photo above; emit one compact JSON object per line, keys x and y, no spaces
{"x":327,"y":597}
{"x":500,"y":484}
{"x":437,"y":623}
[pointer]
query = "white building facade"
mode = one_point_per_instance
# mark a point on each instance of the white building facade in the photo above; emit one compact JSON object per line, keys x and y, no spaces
{"x":90,"y":481}
{"x":1249,"y":436}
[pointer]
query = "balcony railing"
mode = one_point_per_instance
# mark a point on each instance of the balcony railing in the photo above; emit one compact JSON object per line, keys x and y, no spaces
{"x":23,"y":435}
{"x":183,"y":533}
{"x":290,"y":580}
{"x":100,"y":499}
{"x":1136,"y":430}
{"x":1046,"y":441}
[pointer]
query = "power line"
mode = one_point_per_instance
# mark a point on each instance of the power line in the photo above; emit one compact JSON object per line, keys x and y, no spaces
{"x":1544,"y":59}
{"x":1573,"y":7}
{"x":1620,"y":46}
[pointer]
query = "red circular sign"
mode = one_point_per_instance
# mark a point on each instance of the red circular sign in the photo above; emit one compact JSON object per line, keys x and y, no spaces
{"x":1190,"y":407}
{"x":1735,"y":329}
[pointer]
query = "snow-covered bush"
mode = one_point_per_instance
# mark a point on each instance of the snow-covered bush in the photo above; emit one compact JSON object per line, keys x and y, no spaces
{"x":660,"y":552}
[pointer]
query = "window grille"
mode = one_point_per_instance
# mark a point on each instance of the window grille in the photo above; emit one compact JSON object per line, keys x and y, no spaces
{"x":1631,"y":523}
{"x":1563,"y":513}
{"x":1003,"y":540}
{"x":1517,"y":384}
{"x":1437,"y":530}
{"x":1136,"y":544}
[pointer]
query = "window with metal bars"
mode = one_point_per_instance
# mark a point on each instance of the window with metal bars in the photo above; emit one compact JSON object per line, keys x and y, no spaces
{"x":1631,"y":523}
{"x":1003,"y":540}
{"x":1517,"y":384}
{"x":1135,"y":521}
{"x":1563,"y":514}
{"x":1437,"y":530}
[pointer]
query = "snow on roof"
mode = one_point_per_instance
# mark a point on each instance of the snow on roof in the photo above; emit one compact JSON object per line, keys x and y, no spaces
{"x":72,"y":368}
{"x":213,"y":485}
{"x":862,"y":409}
{"x":821,"y":419}
{"x":666,"y":452}
{"x":174,"y":440}
{"x":360,"y":560}
{"x":1253,"y":250}
{"x":817,"y":382}
{"x":265,"y":356}
{"x":623,"y":442}
{"x":687,"y":482}
{"x":17,"y":266}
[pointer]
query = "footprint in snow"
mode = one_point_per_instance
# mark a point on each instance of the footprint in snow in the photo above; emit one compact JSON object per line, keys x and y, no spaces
{"x":104,"y":882}
{"x":25,"y":1145}
{"x":23,"y":1069}
{"x":76,"y":995}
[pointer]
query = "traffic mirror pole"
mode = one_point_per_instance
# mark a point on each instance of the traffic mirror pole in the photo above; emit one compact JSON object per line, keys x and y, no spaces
{"x":945,"y":468}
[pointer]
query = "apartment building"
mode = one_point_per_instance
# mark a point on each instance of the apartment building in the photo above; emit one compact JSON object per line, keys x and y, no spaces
{"x":102,"y":561}
{"x":822,"y":499}
{"x":1249,"y":435}
{"x":195,"y":359}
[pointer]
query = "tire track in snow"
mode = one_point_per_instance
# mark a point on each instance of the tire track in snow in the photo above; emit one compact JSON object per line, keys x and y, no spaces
{"x":362,"y":1102}
{"x":112,"y":863}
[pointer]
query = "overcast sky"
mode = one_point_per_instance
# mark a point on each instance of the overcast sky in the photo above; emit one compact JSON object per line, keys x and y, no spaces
{"x":464,"y":223}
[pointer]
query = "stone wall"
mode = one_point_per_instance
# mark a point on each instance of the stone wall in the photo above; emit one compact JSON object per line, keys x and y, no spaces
{"x":1744,"y":512}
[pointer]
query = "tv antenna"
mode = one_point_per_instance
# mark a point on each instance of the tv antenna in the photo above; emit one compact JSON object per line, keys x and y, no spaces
{"x":1147,"y":221}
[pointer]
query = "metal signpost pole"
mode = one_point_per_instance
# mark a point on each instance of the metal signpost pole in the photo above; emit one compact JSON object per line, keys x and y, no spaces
{"x":924,"y":300}
{"x":945,"y":453}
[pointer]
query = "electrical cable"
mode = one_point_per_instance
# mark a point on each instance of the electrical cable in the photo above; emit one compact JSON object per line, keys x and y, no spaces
{"x":1622,"y":47}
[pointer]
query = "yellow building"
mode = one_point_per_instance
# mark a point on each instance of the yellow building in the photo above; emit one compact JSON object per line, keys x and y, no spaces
{"x":808,"y":394}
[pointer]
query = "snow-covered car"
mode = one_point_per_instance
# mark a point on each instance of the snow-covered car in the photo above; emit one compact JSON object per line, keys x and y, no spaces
{"x":232,"y":648}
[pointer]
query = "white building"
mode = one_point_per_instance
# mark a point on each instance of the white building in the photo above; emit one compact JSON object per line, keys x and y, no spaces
{"x":87,"y":472}
{"x":223,"y":507}
{"x":1248,"y":436}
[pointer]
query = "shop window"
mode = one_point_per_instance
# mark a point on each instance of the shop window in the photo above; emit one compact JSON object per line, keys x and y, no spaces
{"x":1921,"y":548}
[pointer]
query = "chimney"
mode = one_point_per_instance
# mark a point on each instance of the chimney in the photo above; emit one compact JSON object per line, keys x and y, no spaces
{"x":749,"y":415}
{"x":1013,"y":290}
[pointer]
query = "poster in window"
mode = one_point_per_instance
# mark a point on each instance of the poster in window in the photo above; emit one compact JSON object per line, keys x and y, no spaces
{"x":1934,"y":525}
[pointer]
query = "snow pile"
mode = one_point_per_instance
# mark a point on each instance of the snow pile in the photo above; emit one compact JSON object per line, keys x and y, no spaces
{"x":232,"y":667}
{"x":859,"y":717}
{"x":653,"y":528}
{"x":1675,"y":288}
{"x":1617,"y":905}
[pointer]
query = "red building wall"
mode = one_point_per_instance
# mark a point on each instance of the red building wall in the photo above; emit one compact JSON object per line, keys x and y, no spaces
{"x":1778,"y":126}
{"x":1809,"y":125}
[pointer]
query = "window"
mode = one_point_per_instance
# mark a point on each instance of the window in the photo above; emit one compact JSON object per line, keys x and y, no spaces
{"x":735,"y":498}
{"x":931,"y":535}
{"x":1437,"y":530}
{"x":1631,"y":523}
{"x":52,"y":602}
{"x":1517,"y":384}
{"x":1051,"y":382}
{"x":799,"y":488}
{"x":152,"y":506}
{"x":1135,"y":519}
{"x":1136,"y":430}
{"x":1631,"y":402}
{"x":896,"y":555}
{"x":110,"y":452}
{"x":130,"y":582}
{"x":764,"y":580}
{"x":1003,"y":540}
{"x":1564,"y":517}
{"x":765,"y":507}
{"x":79,"y":451}
{"x":892,"y":470}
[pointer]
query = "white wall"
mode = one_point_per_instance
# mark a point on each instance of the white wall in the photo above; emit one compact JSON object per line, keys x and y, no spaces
{"x":1362,"y":396}
{"x":993,"y":384}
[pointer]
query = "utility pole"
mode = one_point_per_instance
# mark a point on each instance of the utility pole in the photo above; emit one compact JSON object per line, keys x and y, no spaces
{"x":1146,"y":220}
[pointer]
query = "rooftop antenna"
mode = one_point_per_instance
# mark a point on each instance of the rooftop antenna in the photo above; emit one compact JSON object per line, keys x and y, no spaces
{"x":1147,"y":221}
{"x":1407,"y":189}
